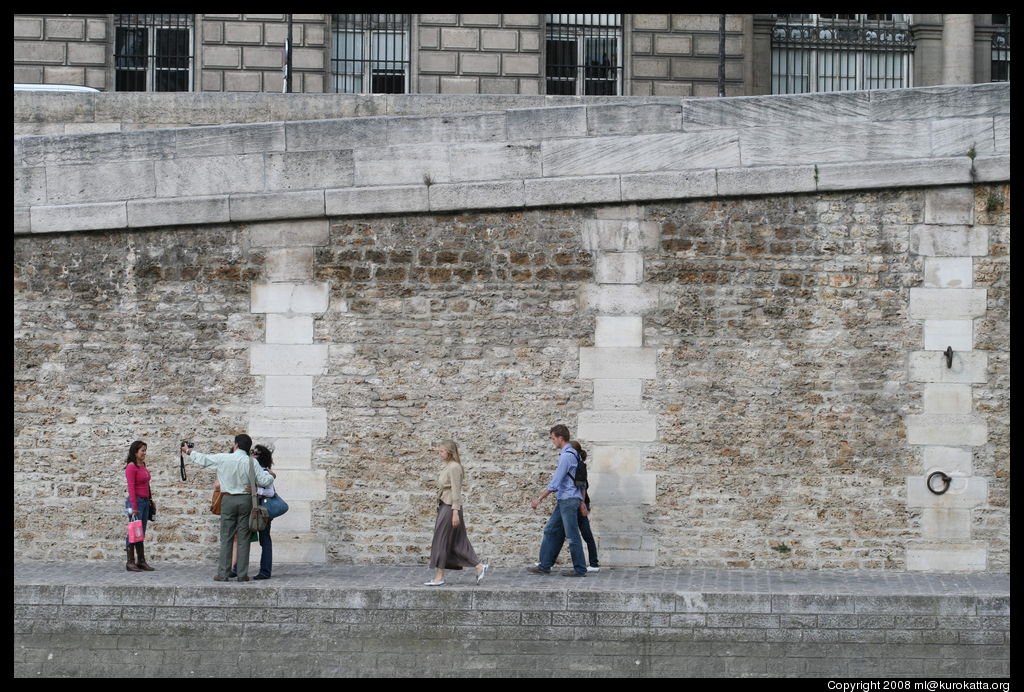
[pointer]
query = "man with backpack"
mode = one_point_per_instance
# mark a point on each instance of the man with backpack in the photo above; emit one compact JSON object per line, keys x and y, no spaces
{"x":563,"y":524}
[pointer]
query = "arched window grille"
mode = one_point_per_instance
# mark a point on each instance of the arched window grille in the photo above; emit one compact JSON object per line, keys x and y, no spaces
{"x":584,"y":54}
{"x":840,"y":52}
{"x":153,"y":52}
{"x":370,"y":53}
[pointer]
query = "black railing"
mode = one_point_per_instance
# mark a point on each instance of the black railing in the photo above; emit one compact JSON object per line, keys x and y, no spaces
{"x":840,"y":52}
{"x":1001,"y":48}
{"x":153,"y":52}
{"x":584,"y":54}
{"x":370,"y":53}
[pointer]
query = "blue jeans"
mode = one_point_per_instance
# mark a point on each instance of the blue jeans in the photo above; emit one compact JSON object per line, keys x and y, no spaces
{"x":267,"y":552}
{"x":143,"y":504}
{"x":562,"y":526}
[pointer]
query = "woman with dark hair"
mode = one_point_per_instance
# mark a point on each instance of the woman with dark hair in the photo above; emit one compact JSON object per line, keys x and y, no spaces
{"x":582,"y":517}
{"x":265,"y":457}
{"x":137,"y":504}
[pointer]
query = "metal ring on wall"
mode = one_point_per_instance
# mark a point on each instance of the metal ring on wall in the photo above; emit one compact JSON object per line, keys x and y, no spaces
{"x":945,"y":479}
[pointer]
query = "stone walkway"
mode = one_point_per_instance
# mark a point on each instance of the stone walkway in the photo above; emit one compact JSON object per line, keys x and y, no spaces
{"x":609,"y":579}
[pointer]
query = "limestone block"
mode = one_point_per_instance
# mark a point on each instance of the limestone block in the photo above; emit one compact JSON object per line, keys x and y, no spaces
{"x":460,"y":85}
{"x":617,"y":426}
{"x":225,"y":140}
{"x":480,"y":63}
{"x":633,"y":119}
{"x":209,"y":175}
{"x":615,"y":459}
{"x":949,"y":272}
{"x":638,"y":153}
{"x":992,"y":169}
{"x":947,"y":398}
{"x":402,"y":166}
{"x":29,"y":185}
{"x":297,"y":519}
{"x":174,"y":212}
{"x":276,"y":205}
{"x":290,"y":264}
{"x":957,"y":136}
{"x":762,"y":180}
{"x":293,"y":453}
{"x":495,"y":161}
{"x":619,"y":331}
{"x":22,"y":220}
{"x":545,"y":192}
{"x":297,"y":548}
{"x":826,"y":108}
{"x":620,"y":235}
{"x":946,"y":429}
{"x":336,"y":134}
{"x":460,"y":38}
{"x":525,"y":64}
{"x":497,"y":39}
{"x":618,"y":394}
{"x":612,"y":488}
{"x":965,"y":492}
{"x":671,"y":185}
{"x":458,"y":127}
{"x":947,"y":557}
{"x":940,"y":101}
{"x":377,"y":200}
{"x":618,"y":363}
{"x":817,"y":143}
{"x":289,"y":329}
{"x":953,"y":461}
{"x":288,"y":359}
{"x":946,"y":524}
{"x":313,"y":233}
{"x":100,"y":182}
{"x":930,"y":366}
{"x":627,"y":558}
{"x":79,"y":217}
{"x":289,"y":390}
{"x":487,"y":195}
{"x":546,"y":123}
{"x":940,"y":334}
{"x":948,"y":241}
{"x":949,"y":205}
{"x":1001,"y":134}
{"x":278,"y":421}
{"x":900,"y":173}
{"x":947,"y":303}
{"x":619,"y":268}
{"x":306,"y":170}
{"x":87,"y":54}
{"x":289,"y":297}
{"x":618,"y":299}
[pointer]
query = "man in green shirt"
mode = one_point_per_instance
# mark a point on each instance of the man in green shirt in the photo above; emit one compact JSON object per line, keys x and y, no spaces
{"x":233,"y":471}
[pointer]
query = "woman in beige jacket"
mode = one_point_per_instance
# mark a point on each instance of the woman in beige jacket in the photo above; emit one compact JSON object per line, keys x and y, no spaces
{"x":451,"y":548}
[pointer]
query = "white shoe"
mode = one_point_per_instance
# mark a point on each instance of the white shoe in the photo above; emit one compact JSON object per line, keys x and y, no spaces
{"x":483,"y":571}
{"x":593,"y":569}
{"x":433,"y":582}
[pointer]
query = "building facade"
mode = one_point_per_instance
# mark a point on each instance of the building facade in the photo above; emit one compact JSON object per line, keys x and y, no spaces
{"x":530,"y":54}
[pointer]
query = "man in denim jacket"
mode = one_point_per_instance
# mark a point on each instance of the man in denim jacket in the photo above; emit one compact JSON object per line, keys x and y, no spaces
{"x":563,"y":523}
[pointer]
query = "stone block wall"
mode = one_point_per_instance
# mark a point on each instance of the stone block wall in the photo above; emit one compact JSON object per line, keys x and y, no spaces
{"x":245,"y":52}
{"x":742,"y":370}
{"x":677,"y":54}
{"x":63,"y":49}
{"x":479,"y":53}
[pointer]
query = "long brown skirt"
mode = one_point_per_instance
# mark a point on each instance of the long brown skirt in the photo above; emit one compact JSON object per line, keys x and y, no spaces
{"x":451,"y":548}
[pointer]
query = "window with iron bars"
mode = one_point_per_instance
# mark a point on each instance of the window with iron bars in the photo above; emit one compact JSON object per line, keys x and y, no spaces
{"x":1001,"y":48}
{"x":153,"y":52}
{"x":840,"y":52}
{"x":584,"y":54}
{"x":370,"y":53}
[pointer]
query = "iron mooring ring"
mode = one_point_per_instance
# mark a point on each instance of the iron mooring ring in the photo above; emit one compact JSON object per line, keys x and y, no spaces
{"x":945,"y":479}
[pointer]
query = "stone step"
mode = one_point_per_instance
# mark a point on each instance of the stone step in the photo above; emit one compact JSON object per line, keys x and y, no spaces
{"x":292,"y":547}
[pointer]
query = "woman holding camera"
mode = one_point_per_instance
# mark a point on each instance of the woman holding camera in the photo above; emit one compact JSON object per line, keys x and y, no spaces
{"x":451,"y":548}
{"x":138,"y":504}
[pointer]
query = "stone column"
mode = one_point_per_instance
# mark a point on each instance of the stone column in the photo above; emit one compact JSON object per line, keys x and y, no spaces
{"x":947,"y":430}
{"x":958,"y":49}
{"x":288,"y":362}
{"x":618,"y":428}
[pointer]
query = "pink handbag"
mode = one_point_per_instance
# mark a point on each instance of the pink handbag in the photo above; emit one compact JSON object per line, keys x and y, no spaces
{"x":135,"y":533}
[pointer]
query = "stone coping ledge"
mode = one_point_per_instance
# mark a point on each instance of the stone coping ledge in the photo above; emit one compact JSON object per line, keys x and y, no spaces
{"x":516,"y":158}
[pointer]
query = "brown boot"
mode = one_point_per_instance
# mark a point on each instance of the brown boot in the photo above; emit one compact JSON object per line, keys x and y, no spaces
{"x":141,"y":552}
{"x":130,"y":565}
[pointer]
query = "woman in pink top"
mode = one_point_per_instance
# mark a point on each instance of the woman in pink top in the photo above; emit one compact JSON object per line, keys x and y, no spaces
{"x":137,"y":505}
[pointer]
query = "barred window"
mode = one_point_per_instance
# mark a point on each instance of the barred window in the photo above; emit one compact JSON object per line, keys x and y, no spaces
{"x":153,"y":52}
{"x":370,"y":53}
{"x":839,"y":52}
{"x":1001,"y":48}
{"x":584,"y":54}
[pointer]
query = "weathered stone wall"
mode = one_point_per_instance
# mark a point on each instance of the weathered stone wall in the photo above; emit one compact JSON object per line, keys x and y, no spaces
{"x":782,"y":332}
{"x":63,"y":49}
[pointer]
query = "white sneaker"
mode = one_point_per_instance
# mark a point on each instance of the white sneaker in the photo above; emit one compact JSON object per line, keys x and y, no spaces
{"x":593,"y":569}
{"x":433,"y":583}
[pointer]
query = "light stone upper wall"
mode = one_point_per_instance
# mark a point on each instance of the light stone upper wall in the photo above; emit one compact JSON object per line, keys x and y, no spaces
{"x":63,"y":49}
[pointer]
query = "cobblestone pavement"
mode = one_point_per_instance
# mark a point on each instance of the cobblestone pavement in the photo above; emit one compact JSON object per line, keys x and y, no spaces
{"x":614,"y":579}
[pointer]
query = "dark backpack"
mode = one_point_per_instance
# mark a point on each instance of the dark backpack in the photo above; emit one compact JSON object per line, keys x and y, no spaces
{"x":580,"y":478}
